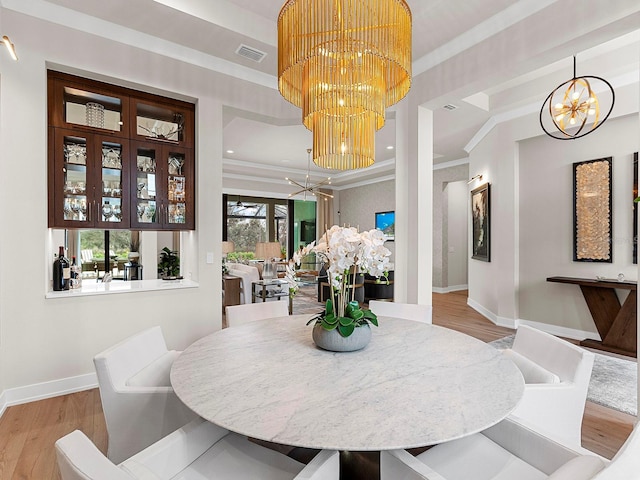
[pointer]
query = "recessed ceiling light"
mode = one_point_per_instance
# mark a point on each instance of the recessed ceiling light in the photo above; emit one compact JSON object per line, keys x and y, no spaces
{"x":229,"y":151}
{"x":390,"y":147}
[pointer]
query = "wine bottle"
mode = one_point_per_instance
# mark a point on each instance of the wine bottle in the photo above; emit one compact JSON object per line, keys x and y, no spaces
{"x":75,"y":274}
{"x":61,"y":272}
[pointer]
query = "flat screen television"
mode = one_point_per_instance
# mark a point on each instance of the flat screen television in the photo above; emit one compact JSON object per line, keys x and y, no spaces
{"x":386,"y":221}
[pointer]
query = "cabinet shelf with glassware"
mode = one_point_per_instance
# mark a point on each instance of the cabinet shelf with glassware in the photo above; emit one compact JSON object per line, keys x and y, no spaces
{"x":162,"y":187}
{"x":90,"y":180}
{"x":95,"y":180}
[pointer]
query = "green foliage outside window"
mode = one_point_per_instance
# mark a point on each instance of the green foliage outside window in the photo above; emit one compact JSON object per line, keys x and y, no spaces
{"x":119,"y":242}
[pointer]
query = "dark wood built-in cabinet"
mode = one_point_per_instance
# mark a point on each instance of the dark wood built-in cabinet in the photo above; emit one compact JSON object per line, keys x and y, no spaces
{"x":119,"y":158}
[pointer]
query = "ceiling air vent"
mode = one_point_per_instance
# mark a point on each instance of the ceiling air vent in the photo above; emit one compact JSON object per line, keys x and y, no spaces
{"x":250,"y":53}
{"x":450,"y":106}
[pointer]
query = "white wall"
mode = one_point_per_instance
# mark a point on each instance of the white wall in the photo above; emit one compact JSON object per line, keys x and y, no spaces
{"x":457,"y":230}
{"x":54,"y":340}
{"x":528,"y":243}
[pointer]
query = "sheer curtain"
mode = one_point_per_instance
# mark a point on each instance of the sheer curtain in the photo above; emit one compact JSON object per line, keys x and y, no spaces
{"x":325,"y":213}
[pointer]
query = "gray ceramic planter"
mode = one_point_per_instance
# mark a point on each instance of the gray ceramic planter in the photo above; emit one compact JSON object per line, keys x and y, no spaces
{"x":334,"y":342}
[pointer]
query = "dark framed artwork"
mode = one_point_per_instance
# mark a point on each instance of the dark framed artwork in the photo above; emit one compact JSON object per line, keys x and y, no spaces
{"x":635,"y":208}
{"x":481,"y":223}
{"x":592,"y":230}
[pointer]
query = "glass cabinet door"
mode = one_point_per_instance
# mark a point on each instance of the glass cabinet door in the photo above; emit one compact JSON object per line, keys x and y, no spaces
{"x":144,"y":213}
{"x":163,"y":188}
{"x":71,"y":173}
{"x":111,"y":187}
{"x":179,"y":212}
{"x":176,"y":194}
{"x":74,"y":201}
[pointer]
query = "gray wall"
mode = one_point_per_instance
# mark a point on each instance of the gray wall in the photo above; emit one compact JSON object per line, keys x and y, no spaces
{"x":441,"y":178}
{"x":546,"y":220}
{"x":358,"y":205}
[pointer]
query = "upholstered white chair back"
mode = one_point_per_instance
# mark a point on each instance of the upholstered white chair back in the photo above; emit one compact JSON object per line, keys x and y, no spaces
{"x":197,"y":450}
{"x":241,"y":314}
{"x":556,"y":405}
{"x":510,"y":450}
{"x":117,"y":364}
{"x":138,"y":402}
{"x":554,"y":354}
{"x":408,"y":311}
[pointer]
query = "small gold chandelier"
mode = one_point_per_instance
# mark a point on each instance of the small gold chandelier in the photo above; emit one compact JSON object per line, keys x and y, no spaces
{"x":344,"y":62}
{"x":573,"y":108}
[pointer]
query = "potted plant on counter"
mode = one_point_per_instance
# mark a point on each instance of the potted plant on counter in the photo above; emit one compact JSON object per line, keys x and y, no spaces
{"x":169,"y":266}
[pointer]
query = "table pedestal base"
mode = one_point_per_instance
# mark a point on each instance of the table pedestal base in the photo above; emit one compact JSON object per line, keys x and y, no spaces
{"x":360,"y":465}
{"x":353,"y":465}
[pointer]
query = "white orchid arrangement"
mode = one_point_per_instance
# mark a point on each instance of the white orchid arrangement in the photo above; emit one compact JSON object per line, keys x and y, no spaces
{"x":290,"y":277}
{"x":346,"y":251}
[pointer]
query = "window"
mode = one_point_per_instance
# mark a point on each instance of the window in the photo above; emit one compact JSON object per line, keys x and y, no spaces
{"x":250,"y":220}
{"x":92,"y":245}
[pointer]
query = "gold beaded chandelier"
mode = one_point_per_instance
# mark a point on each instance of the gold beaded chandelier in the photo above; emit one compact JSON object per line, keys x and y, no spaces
{"x":344,"y":62}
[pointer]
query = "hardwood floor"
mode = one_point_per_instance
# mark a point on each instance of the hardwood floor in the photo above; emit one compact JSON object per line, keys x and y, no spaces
{"x":28,"y":432}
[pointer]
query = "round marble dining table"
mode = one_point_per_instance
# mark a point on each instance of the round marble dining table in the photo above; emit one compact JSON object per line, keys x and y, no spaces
{"x":414,"y":385}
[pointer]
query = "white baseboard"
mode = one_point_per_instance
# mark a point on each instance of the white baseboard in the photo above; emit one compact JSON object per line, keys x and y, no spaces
{"x":482,"y":311}
{"x":556,"y":330}
{"x":40,"y":391}
{"x":3,"y":403}
{"x":559,"y":331}
{"x":453,"y":288}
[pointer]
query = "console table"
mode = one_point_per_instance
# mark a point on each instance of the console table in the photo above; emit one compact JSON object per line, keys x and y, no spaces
{"x":616,"y":324}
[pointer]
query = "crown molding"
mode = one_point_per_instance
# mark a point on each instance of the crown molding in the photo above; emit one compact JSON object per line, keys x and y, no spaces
{"x":620,"y":81}
{"x":451,"y":163}
{"x":73,"y":19}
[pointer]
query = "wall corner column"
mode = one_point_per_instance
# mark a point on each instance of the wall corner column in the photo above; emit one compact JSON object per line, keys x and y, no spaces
{"x":414,"y":204}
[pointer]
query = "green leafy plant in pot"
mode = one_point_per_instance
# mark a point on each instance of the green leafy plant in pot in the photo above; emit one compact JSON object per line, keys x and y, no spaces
{"x":169,"y":266}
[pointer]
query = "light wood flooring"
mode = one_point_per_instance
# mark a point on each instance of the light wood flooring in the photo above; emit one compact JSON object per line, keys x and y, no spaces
{"x":28,"y":432}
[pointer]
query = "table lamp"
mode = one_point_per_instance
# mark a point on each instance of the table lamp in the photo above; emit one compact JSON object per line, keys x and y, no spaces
{"x":227,"y":247}
{"x":268,"y":251}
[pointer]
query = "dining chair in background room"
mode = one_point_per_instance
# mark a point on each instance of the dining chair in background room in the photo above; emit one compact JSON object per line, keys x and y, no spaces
{"x":408,"y":311}
{"x":510,"y":450}
{"x":196,"y":451}
{"x":139,"y":405}
{"x":556,"y":375}
{"x":250,"y":312}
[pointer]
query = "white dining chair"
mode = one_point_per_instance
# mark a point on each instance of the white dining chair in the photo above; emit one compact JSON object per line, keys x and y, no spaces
{"x":408,"y":311}
{"x":139,"y":405}
{"x":250,"y":312}
{"x":556,"y":375}
{"x":196,"y":451}
{"x":510,"y":450}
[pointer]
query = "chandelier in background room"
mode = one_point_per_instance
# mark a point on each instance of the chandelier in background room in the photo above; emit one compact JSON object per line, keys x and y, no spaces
{"x":344,"y":62}
{"x":573,"y":108}
{"x":313,"y":189}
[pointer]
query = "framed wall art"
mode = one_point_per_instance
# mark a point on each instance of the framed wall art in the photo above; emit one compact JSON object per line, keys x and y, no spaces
{"x":592,"y":232}
{"x":481,"y":223}
{"x":386,"y":221}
